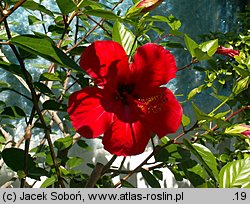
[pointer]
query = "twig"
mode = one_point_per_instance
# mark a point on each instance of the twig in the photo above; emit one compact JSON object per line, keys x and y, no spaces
{"x":193,"y":61}
{"x":93,"y":29}
{"x":232,"y":115}
{"x":157,"y":149}
{"x":98,"y":171}
{"x":35,"y":103}
{"x":9,"y":12}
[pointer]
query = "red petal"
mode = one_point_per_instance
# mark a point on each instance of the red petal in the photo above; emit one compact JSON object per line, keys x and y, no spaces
{"x":149,"y":4}
{"x":87,"y":114}
{"x":102,"y":60}
{"x":163,"y":113}
{"x":153,"y":66}
{"x":126,"y":139}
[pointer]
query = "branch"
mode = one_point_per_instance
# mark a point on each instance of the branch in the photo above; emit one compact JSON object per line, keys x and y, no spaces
{"x":157,"y":149}
{"x":193,"y":61}
{"x":6,"y":13}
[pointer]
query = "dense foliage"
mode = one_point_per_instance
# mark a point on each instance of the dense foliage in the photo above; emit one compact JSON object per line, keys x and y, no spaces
{"x":211,"y":150}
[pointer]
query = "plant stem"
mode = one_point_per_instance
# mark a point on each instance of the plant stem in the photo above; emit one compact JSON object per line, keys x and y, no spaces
{"x":157,"y":149}
{"x":35,"y":103}
{"x":9,"y":12}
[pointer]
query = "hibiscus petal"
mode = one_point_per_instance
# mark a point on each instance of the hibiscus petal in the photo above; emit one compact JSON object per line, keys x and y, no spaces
{"x":126,"y":139}
{"x":102,"y":60}
{"x":87,"y":115}
{"x":162,"y":112}
{"x":152,"y":66}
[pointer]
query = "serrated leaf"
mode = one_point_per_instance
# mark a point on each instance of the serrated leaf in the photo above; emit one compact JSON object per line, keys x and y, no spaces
{"x":44,"y":47}
{"x":235,"y":174}
{"x":150,"y":179}
{"x":124,"y":37}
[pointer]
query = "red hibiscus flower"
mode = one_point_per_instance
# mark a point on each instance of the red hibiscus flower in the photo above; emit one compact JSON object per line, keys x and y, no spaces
{"x":149,"y":5}
{"x":128,"y":104}
{"x":227,"y":51}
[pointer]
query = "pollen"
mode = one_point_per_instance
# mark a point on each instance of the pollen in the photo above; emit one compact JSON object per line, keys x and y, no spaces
{"x":153,"y":104}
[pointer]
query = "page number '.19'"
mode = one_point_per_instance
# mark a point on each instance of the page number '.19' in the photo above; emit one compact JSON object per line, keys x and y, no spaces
{"x":240,"y":196}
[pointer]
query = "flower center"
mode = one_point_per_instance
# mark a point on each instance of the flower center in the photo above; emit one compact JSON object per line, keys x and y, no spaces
{"x":124,"y":92}
{"x":153,"y":104}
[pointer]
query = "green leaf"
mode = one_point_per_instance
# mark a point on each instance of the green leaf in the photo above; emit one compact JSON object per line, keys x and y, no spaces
{"x":205,"y":156}
{"x":13,"y":112}
{"x":49,"y":181}
{"x":14,"y":159}
{"x":124,"y":37}
{"x":209,"y":47}
{"x":32,"y":5}
{"x":33,"y":20}
{"x":63,"y":143}
{"x":44,"y":48}
{"x":66,"y":6}
{"x":173,"y":22}
{"x":172,"y":153}
{"x":158,"y":174}
{"x":195,"y":91}
{"x":54,"y":105}
{"x":91,"y":3}
{"x":204,"y":118}
{"x":194,"y":172}
{"x":185,"y":120}
{"x":235,"y":174}
{"x":190,"y":44}
{"x":49,"y":77}
{"x":102,"y":13}
{"x":151,"y":180}
{"x":126,"y":184}
{"x":74,"y":161}
{"x":241,"y":85}
{"x":44,"y":89}
{"x":12,"y":68}
{"x":133,"y":11}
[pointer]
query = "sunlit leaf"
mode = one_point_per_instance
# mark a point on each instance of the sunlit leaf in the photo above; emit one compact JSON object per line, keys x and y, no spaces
{"x":45,"y":48}
{"x":125,"y":37}
{"x":235,"y":174}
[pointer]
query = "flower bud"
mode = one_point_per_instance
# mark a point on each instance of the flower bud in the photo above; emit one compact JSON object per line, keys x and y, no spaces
{"x":149,"y":5}
{"x":227,"y":51}
{"x":247,"y":131}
